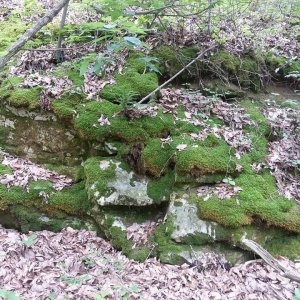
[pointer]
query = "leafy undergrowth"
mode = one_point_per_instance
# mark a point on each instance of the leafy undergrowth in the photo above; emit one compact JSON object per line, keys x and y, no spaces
{"x":100,"y":272}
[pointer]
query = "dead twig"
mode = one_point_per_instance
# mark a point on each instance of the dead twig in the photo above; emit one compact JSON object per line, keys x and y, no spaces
{"x":270,"y":260}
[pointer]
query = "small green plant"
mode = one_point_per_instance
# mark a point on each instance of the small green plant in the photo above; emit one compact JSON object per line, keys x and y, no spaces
{"x":52,"y":296}
{"x":229,"y":180}
{"x":126,"y":99}
{"x":102,"y":295}
{"x":150,"y":64}
{"x":74,"y":280}
{"x":30,"y":241}
{"x":9,"y":295}
{"x":297,"y":294}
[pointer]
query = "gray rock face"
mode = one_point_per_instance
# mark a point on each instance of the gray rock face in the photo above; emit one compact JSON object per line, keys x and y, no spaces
{"x":38,"y":137}
{"x":121,"y":188}
{"x":187,"y":223}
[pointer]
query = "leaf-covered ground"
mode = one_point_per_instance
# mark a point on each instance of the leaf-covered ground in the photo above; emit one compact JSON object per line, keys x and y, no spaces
{"x":79,"y":265}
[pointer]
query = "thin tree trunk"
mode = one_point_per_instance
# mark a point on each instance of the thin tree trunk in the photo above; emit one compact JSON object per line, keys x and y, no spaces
{"x":47,"y":18}
{"x":209,"y":17}
{"x":59,"y":52}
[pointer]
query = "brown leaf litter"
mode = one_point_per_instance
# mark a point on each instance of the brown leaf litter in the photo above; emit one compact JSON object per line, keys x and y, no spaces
{"x":198,"y":110}
{"x":78,"y":265}
{"x":283,"y":159}
{"x":23,"y":171}
{"x":221,"y":190}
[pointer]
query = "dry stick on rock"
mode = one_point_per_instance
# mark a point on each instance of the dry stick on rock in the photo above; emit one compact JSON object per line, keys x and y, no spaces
{"x":47,"y":18}
{"x":173,"y":77}
{"x":270,"y":260}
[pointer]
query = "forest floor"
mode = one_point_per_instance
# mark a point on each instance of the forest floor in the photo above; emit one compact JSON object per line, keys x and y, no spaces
{"x":75,"y":264}
{"x":79,"y":265}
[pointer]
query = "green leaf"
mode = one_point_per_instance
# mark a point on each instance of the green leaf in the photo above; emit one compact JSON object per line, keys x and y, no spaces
{"x":153,"y":68}
{"x":133,"y":40}
{"x":30,"y":241}
{"x":102,"y":295}
{"x":297,"y":294}
{"x":84,"y":66}
{"x":134,"y":288}
{"x":10,"y":295}
{"x":109,"y":26}
{"x":52,"y":296}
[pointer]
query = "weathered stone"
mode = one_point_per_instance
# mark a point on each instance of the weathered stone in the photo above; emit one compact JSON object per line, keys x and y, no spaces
{"x":110,"y":183}
{"x":36,"y":136}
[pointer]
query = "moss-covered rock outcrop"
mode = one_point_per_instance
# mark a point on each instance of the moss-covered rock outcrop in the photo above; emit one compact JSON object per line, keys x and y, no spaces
{"x":109,"y":182}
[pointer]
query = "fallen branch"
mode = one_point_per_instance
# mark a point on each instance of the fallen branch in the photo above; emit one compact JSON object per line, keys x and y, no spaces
{"x":176,"y":75}
{"x":153,"y":11}
{"x":47,"y":18}
{"x":270,"y":260}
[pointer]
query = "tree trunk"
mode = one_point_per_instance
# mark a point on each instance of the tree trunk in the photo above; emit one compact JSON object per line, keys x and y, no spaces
{"x":59,"y":52}
{"x":47,"y":18}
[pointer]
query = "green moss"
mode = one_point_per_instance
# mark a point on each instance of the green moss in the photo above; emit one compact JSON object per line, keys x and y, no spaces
{"x":173,"y":59}
{"x":87,"y":120}
{"x":16,"y":195}
{"x":120,"y":127}
{"x":288,"y":246}
{"x":71,"y":71}
{"x":248,"y":74}
{"x":5,"y":169}
{"x":258,"y":200}
{"x":10,"y":31}
{"x":244,"y":71}
{"x":275,"y":62}
{"x":212,"y":156}
{"x":72,"y":200}
{"x":11,"y":82}
{"x":4,"y":133}
{"x":155,"y":158}
{"x":130,"y":83}
{"x":253,"y":108}
{"x":120,"y":241}
{"x":73,"y":172}
{"x":161,"y":188}
{"x":166,"y":249}
{"x":24,"y":98}
{"x":293,"y":67}
{"x":65,"y":108}
{"x":227,"y":61}
{"x":97,"y":179}
{"x":30,"y":219}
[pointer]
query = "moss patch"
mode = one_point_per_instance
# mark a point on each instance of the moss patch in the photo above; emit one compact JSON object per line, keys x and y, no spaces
{"x":30,"y":219}
{"x":173,"y":59}
{"x":72,"y":200}
{"x":133,"y":84}
{"x":97,"y":179}
{"x":120,"y":128}
{"x":24,"y":98}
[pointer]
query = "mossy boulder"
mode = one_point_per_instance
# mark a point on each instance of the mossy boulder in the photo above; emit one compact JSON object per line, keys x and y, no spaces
{"x":118,"y":127}
{"x":23,"y":98}
{"x":113,"y":222}
{"x":28,"y":219}
{"x":198,"y":162}
{"x":173,"y":59}
{"x":109,"y":182}
{"x":133,"y":84}
{"x":189,"y":228}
